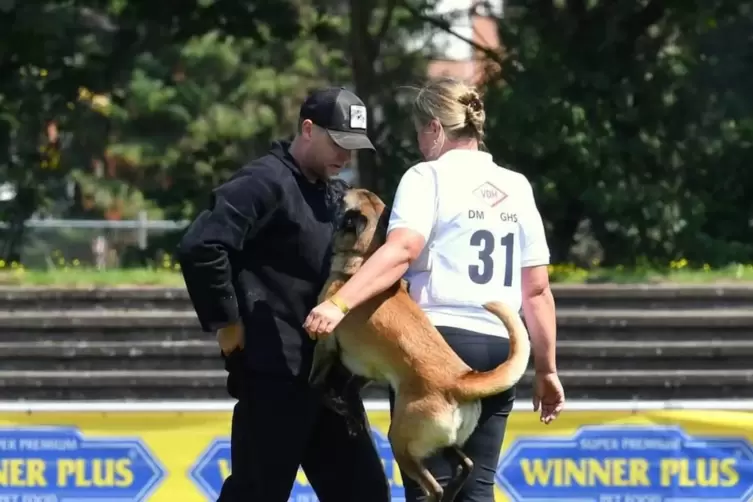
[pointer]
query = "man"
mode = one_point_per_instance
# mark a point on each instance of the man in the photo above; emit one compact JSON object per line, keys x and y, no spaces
{"x":254,"y":263}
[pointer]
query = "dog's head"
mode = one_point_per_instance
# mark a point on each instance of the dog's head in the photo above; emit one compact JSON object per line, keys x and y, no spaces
{"x":360,"y":229}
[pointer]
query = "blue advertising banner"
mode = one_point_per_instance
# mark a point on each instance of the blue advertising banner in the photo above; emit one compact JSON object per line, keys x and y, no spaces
{"x":59,"y":464}
{"x":628,"y":463}
{"x":213,"y":467}
{"x":640,"y":456}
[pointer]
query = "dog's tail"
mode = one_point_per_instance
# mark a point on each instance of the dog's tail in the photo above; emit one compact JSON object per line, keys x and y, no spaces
{"x":477,"y":385}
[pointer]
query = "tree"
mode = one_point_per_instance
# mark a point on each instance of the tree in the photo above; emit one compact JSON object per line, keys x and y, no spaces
{"x":49,"y":51}
{"x":194,"y":113}
{"x":63,"y":68}
{"x":611,"y":110}
{"x":386,"y":59}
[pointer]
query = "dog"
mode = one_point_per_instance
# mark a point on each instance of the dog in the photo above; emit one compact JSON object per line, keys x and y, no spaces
{"x":389,"y":339}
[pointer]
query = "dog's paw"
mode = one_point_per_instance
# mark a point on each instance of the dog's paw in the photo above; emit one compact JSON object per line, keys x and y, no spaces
{"x":355,"y":427}
{"x":335,"y":402}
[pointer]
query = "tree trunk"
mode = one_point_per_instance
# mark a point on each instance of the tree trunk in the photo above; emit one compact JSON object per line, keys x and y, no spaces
{"x":362,"y":64}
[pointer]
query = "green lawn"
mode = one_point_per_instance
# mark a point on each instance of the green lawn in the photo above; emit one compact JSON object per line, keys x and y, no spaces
{"x":678,"y":273}
{"x":83,"y":277}
{"x":76,"y":276}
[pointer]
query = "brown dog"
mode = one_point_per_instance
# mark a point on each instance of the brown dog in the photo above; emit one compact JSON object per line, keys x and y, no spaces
{"x":389,"y":339}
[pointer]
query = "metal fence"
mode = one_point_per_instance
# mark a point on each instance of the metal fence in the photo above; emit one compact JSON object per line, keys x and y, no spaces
{"x":101,"y":243}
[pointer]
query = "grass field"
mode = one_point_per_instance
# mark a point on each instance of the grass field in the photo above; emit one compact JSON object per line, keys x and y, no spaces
{"x":169,"y":275}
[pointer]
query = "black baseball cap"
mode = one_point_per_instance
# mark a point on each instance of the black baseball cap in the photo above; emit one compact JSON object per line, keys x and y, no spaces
{"x":342,"y":114}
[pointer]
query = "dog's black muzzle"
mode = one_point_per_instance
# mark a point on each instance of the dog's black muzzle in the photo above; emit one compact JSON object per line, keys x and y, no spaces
{"x":349,"y":220}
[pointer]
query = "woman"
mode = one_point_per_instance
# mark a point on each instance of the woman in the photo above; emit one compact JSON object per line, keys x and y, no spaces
{"x":464,"y":231}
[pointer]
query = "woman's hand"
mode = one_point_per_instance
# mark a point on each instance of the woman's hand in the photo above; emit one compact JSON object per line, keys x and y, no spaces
{"x":548,"y":396}
{"x":322,"y":320}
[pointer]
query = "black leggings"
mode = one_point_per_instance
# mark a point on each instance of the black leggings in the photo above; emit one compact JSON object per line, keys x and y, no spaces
{"x":482,"y":353}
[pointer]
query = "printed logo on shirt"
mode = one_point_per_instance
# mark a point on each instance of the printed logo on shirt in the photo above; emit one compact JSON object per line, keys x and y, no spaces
{"x":489,"y":194}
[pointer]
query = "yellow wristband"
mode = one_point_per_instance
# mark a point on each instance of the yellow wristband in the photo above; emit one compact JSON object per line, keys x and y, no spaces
{"x":339,"y":304}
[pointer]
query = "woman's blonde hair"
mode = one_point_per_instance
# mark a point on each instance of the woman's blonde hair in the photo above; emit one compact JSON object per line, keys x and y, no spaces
{"x":456,"y":105}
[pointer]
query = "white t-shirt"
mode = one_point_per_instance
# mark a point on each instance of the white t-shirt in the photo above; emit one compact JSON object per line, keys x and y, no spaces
{"x":481,"y":226}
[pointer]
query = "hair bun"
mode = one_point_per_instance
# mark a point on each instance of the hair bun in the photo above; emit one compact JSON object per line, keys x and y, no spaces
{"x":455,"y":104}
{"x":472,"y":100}
{"x":475,"y":115}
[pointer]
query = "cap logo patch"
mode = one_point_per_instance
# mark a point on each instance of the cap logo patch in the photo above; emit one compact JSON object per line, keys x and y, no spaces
{"x":357,"y":117}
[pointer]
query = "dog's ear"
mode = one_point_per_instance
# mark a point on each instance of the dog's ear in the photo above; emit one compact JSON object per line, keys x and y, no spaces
{"x":361,"y":222}
{"x":383,"y":223}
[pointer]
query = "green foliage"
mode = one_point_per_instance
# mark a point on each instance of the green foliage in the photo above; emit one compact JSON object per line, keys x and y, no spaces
{"x":194,"y":112}
{"x":49,"y":50}
{"x":622,"y":116}
{"x":633,"y":120}
{"x":385,"y":56}
{"x":100,"y":72}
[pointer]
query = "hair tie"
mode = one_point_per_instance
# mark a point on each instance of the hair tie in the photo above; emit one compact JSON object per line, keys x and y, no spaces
{"x":473,"y":102}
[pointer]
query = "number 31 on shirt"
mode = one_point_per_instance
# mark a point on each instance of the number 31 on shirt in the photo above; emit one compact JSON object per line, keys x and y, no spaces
{"x":487,"y":243}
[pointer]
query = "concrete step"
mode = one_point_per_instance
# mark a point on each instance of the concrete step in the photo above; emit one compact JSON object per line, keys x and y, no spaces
{"x":61,"y":298}
{"x":658,"y":349}
{"x":657,"y":355}
{"x":110,"y":355}
{"x":591,"y":296}
{"x":203,"y":384}
{"x":190,"y":393}
{"x":699,"y":325}
{"x":573,"y":324}
{"x":204,"y":354}
{"x":106,"y":325}
{"x":653,"y":296}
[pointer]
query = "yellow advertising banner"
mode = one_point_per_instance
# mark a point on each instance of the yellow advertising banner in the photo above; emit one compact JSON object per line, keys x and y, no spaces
{"x":169,"y":456}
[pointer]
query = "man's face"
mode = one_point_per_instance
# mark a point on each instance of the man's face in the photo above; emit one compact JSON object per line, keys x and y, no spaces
{"x":323,"y":157}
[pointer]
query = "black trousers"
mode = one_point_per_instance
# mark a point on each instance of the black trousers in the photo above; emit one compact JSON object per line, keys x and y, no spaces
{"x":279,"y":424}
{"x":482,"y":353}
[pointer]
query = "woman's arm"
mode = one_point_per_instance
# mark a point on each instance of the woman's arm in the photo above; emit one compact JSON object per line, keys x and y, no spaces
{"x":539,"y":312}
{"x":384,"y":268}
{"x":411,"y":222}
{"x":538,"y":309}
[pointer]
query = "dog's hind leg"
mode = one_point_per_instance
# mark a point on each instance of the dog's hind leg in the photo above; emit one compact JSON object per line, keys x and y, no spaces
{"x":324,"y":378}
{"x":414,"y":432}
{"x":414,"y":469}
{"x":339,"y":388}
{"x":325,"y":356}
{"x":465,"y":466}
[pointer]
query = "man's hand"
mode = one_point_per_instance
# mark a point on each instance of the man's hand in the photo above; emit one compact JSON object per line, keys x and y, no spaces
{"x":548,"y":395}
{"x":231,"y":337}
{"x":323,"y":320}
